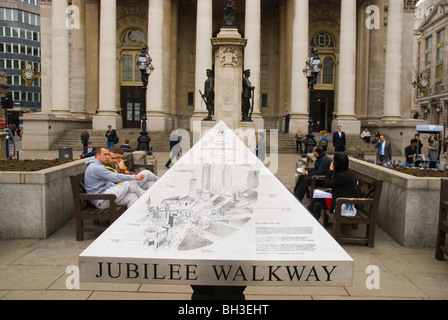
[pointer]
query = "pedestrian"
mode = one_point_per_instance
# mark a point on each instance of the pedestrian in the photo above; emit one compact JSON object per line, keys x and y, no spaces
{"x":384,"y":150}
{"x":89,"y":151}
{"x":116,"y":164}
{"x":410,"y":152}
{"x":299,"y":139}
{"x":98,"y":179}
{"x":323,"y":140}
{"x":341,"y":181}
{"x":365,"y":135}
{"x":111,"y":135}
{"x":174,"y":147}
{"x":434,"y":147}
{"x":84,"y":140}
{"x":287,"y":118}
{"x":321,"y":167}
{"x":339,"y":142}
{"x":126,"y":146}
{"x":261,"y":147}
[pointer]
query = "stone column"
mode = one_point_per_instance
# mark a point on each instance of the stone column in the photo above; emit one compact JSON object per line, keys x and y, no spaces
{"x":78,"y":92}
{"x":60,"y":60}
{"x":300,"y":51}
{"x":45,"y":57}
{"x":154,"y":97}
{"x":107,"y":113}
{"x":392,"y":83}
{"x":347,"y":71}
{"x":204,"y":33}
{"x":252,"y":54}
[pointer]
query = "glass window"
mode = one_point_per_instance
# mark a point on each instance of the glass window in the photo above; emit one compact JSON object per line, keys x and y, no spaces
{"x":322,"y":40}
{"x":8,"y":14}
{"x":138,"y":74}
{"x":14,"y":32}
{"x":127,"y":67}
{"x":441,"y":36}
{"x":16,"y":96}
{"x":429,"y":42}
{"x":23,"y":96}
{"x":439,"y":71}
{"x":133,"y":36}
{"x":15,"y":15}
{"x":137,"y":111}
{"x":7,"y":32}
{"x":428,"y":58}
{"x":440,"y":52}
{"x":327,"y":70}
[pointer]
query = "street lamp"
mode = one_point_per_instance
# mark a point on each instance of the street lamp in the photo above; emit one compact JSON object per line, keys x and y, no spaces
{"x":146,"y":68}
{"x":312,"y":68}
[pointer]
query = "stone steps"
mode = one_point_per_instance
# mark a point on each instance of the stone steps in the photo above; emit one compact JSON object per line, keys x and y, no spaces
{"x":160,"y":141}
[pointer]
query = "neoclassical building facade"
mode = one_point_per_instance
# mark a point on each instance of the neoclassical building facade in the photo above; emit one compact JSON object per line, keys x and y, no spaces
{"x":90,"y":79}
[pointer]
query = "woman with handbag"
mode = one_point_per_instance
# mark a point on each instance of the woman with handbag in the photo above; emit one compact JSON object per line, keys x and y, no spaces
{"x":341,"y":181}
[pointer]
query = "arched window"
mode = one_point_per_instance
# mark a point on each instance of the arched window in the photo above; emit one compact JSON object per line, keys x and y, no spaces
{"x":132,"y":41}
{"x":325,"y":79}
{"x":133,"y":36}
{"x":322,"y":40}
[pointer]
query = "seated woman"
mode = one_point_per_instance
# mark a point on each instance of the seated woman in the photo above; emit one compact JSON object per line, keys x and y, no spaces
{"x":341,"y":181}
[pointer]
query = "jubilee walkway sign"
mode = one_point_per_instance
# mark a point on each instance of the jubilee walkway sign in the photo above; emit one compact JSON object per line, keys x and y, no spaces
{"x":218,"y":217}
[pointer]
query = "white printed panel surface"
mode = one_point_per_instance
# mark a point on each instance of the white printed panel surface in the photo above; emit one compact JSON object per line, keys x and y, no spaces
{"x":217,"y":217}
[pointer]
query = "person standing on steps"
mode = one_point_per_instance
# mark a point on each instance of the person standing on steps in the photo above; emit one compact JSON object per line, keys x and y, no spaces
{"x":85,"y":140}
{"x":287,"y":118}
{"x":339,"y":141}
{"x":110,"y":135}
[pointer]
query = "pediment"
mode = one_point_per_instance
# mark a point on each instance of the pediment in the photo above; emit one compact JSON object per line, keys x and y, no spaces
{"x":439,"y":11}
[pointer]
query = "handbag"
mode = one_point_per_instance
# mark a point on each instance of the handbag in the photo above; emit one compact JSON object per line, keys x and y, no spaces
{"x":348,"y":210}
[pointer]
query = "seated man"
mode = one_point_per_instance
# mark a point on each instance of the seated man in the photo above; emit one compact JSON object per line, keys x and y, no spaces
{"x":125,"y":146}
{"x":410,"y":152}
{"x":321,"y":167}
{"x":98,"y":179}
{"x":117,"y":165}
{"x":89,"y":152}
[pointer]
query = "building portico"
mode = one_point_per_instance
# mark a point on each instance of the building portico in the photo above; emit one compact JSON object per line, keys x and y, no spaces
{"x":89,"y":76}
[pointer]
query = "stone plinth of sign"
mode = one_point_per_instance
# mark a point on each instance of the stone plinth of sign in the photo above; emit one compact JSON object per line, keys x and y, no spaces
{"x":218,"y":217}
{"x":228,"y":47}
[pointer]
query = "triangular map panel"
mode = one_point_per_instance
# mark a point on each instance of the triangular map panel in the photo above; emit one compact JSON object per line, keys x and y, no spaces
{"x":217,"y":217}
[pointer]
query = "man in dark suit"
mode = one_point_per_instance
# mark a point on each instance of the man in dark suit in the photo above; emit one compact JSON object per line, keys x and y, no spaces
{"x":339,"y":140}
{"x":321,"y":167}
{"x":384,"y":150}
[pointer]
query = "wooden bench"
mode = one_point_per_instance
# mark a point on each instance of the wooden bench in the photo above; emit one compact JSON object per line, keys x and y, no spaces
{"x":136,"y":167}
{"x":368,"y":193}
{"x":84,"y":210}
{"x":441,"y":247}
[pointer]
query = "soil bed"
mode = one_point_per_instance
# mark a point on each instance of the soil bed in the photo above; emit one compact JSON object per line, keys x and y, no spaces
{"x":425,"y":173}
{"x":30,"y":165}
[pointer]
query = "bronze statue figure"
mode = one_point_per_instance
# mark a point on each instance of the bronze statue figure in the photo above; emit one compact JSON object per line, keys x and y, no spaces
{"x":248,"y":93}
{"x":229,"y":14}
{"x":209,"y":95}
